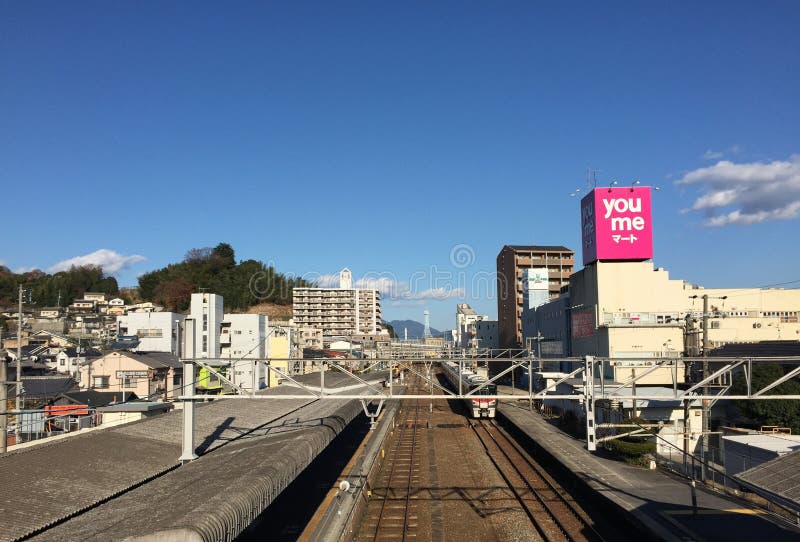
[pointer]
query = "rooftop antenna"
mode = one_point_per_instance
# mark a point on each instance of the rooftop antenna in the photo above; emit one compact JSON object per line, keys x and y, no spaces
{"x":591,"y":177}
{"x":427,"y":332}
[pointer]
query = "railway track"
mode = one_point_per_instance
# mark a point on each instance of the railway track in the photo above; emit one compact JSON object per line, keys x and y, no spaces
{"x":394,"y":517}
{"x":551,"y":510}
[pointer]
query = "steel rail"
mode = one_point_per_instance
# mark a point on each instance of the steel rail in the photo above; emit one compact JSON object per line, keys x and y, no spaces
{"x":541,"y":472}
{"x":565,"y":530}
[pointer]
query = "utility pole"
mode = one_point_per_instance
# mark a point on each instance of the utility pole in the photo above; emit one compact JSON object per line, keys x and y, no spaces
{"x":706,"y":402}
{"x":19,"y":365}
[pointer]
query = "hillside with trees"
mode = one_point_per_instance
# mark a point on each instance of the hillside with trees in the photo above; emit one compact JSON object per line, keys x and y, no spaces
{"x":242,"y":284}
{"x":46,"y":290}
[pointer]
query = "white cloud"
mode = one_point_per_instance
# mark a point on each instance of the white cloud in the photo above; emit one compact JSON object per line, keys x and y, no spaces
{"x":326,"y":281}
{"x":387,"y":286}
{"x":747,"y":193}
{"x":112,"y":262}
{"x":439,"y":293}
{"x":716,"y":155}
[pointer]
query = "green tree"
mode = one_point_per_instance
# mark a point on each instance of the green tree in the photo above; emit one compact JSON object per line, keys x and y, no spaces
{"x":780,"y":412}
{"x":390,"y":329}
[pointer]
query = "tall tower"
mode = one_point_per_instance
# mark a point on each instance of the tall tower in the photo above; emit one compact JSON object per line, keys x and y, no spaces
{"x":427,"y":332}
{"x":345,"y":279}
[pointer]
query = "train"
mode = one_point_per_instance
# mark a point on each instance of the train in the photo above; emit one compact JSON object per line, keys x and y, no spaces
{"x":478,"y":407}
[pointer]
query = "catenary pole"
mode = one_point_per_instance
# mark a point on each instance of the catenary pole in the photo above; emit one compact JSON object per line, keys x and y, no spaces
{"x":3,"y":397}
{"x":19,"y":364}
{"x":706,"y":402}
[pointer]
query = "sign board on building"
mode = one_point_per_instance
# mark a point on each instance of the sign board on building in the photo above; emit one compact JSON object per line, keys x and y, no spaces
{"x":535,"y":279}
{"x":551,"y":348}
{"x":582,"y":323}
{"x":131,"y":374}
{"x":535,"y":287}
{"x":66,"y":410}
{"x":616,"y":224}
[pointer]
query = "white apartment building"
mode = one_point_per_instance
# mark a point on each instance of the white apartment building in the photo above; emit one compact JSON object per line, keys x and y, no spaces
{"x":243,"y":338}
{"x":207,"y":312}
{"x":342,"y":311}
{"x":474,"y":330}
{"x":157,"y":331}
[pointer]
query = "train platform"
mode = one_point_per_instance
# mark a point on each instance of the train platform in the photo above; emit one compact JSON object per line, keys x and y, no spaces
{"x":659,"y":503}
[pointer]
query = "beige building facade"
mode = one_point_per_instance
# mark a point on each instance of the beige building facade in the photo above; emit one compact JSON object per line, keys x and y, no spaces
{"x":635,"y":313}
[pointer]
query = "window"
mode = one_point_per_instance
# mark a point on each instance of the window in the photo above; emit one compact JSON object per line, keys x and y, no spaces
{"x":205,"y":322}
{"x":63,"y":362}
{"x":153,"y":333}
{"x":177,"y":379}
{"x":205,"y":343}
{"x":128,"y":382}
{"x":100,"y":382}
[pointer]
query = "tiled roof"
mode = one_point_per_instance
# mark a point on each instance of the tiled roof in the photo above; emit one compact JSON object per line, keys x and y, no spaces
{"x":778,"y":479}
{"x":43,"y":387}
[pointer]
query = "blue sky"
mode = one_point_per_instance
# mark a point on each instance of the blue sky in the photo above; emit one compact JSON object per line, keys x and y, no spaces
{"x":380,"y":136}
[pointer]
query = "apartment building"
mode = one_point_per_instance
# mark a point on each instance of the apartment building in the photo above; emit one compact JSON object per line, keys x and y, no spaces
{"x":207,"y":312}
{"x":474,"y":330}
{"x":513,"y":261}
{"x":156,"y":331}
{"x":342,"y":311}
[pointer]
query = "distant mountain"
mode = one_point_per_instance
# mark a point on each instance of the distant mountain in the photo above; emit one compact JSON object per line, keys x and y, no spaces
{"x":415,"y":329}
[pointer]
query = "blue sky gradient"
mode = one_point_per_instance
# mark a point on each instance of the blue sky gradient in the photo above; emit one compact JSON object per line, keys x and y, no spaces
{"x":379,"y":136}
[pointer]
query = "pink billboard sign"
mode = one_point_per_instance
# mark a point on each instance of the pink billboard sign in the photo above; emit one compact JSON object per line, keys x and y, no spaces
{"x":616,"y":224}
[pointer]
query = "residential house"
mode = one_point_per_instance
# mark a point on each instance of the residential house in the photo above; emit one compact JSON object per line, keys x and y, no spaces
{"x":147,"y":374}
{"x":49,"y":312}
{"x":82,"y":306}
{"x":156,"y":331}
{"x":68,"y":360}
{"x":51,"y":339}
{"x":42,"y":389}
{"x":145,"y":307}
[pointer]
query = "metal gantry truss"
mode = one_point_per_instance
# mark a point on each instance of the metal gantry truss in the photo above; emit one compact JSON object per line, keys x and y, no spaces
{"x":589,"y":370}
